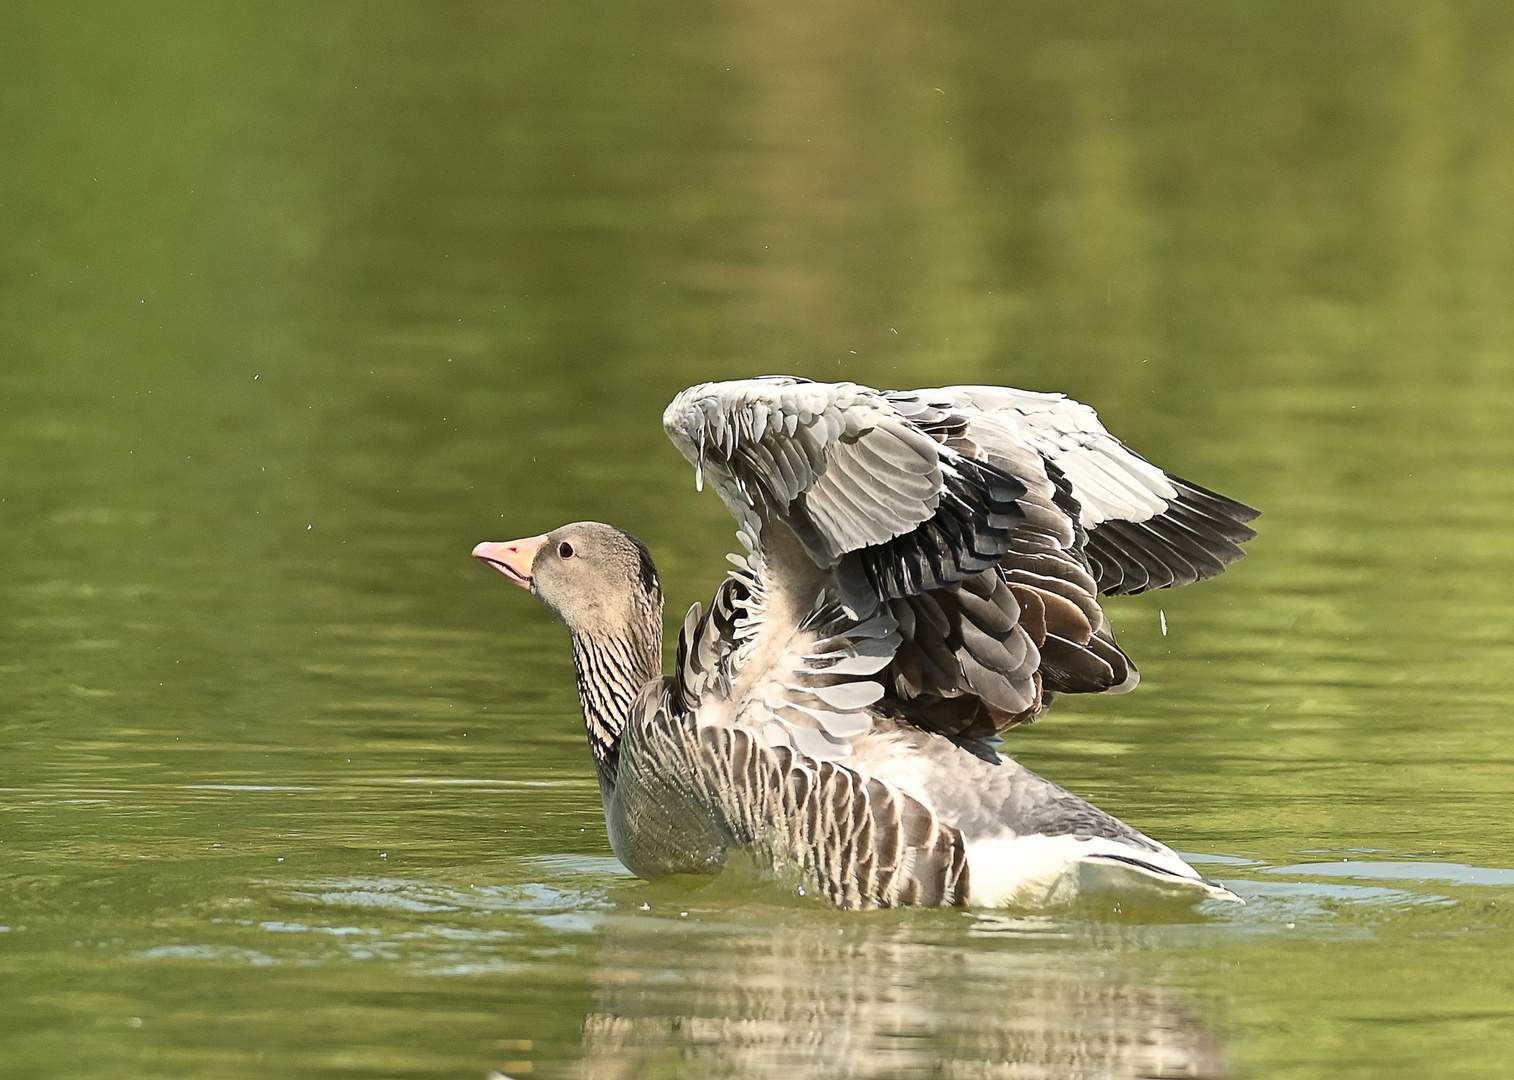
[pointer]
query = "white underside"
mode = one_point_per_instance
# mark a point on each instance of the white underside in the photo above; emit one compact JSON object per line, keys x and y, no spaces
{"x":1047,"y":871}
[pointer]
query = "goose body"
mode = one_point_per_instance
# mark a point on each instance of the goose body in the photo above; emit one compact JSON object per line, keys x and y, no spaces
{"x":921,"y":572}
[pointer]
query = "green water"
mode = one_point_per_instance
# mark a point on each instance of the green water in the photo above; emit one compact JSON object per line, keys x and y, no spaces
{"x":299,"y":302}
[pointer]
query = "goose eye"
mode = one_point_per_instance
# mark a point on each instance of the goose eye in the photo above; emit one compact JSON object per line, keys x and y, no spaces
{"x":565,"y":550}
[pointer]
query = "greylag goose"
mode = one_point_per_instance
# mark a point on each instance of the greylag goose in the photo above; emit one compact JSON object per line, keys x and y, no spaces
{"x":921,"y":573}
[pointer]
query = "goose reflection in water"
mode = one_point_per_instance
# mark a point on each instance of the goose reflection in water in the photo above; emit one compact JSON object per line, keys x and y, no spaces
{"x":1014,"y":999}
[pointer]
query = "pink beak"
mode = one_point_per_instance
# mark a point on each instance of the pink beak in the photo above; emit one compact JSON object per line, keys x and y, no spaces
{"x":513,"y":558}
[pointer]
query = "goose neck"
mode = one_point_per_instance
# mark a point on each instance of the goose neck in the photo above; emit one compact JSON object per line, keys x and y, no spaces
{"x":611,"y":671}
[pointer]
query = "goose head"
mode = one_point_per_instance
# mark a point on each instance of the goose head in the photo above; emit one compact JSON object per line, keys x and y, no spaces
{"x":600,"y":580}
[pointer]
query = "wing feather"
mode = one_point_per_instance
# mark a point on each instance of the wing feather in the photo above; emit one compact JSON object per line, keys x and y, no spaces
{"x":971,"y":529}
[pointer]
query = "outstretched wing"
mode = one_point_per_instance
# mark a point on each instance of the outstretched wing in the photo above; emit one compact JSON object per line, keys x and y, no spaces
{"x":958,"y":526}
{"x":1146,"y":529}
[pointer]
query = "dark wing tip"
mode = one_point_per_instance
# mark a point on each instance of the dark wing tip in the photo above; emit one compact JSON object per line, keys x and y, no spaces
{"x":1194,"y":539}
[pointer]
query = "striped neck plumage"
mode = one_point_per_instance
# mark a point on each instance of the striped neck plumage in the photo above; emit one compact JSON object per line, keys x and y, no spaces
{"x":611,"y":670}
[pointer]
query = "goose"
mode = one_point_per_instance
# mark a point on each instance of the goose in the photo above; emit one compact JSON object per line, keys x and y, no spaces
{"x":920,"y":573}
